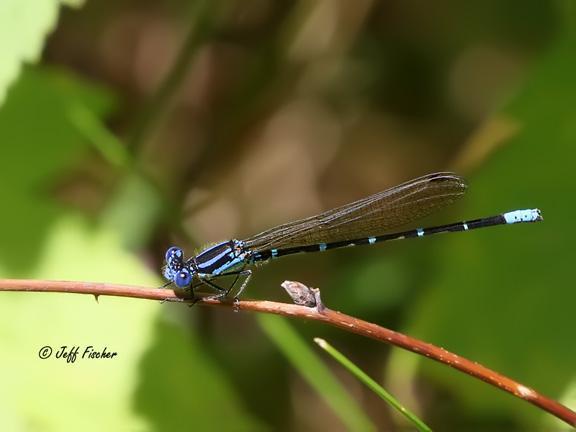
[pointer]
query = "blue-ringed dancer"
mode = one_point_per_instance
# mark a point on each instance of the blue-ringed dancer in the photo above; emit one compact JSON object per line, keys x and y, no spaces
{"x":364,"y":222}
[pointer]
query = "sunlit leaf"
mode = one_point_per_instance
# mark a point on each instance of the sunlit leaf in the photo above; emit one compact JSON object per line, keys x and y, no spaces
{"x":38,"y":143}
{"x":24,"y":25}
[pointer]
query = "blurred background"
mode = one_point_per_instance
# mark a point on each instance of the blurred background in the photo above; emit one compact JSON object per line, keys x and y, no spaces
{"x":129,"y":126}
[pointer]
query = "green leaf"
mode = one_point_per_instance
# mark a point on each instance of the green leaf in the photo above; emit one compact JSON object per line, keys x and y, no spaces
{"x":24,"y":25}
{"x":39,"y":143}
{"x":181,"y":388}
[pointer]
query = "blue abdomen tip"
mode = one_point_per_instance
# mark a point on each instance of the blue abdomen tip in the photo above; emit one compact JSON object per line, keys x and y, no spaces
{"x":518,"y":216}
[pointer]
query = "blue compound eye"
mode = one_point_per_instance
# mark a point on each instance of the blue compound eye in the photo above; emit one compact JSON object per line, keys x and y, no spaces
{"x":168,"y":273}
{"x":173,"y":253}
{"x":183,"y":278}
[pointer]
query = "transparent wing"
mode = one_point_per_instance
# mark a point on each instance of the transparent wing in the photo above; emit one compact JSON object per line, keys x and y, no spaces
{"x":370,"y":216}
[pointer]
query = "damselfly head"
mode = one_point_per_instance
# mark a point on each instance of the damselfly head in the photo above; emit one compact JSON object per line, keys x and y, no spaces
{"x":175,"y":270}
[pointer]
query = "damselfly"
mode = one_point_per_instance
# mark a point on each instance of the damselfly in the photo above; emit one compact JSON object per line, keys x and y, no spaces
{"x":363,"y":222}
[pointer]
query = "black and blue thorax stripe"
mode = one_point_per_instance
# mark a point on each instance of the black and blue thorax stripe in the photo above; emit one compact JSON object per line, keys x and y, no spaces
{"x":219,"y":259}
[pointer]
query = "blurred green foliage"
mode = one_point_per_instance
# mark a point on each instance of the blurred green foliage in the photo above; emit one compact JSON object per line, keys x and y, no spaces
{"x":24,"y":26}
{"x":148,"y":124}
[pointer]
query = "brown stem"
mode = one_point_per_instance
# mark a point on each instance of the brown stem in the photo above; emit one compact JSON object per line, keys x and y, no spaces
{"x":325,"y":315}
